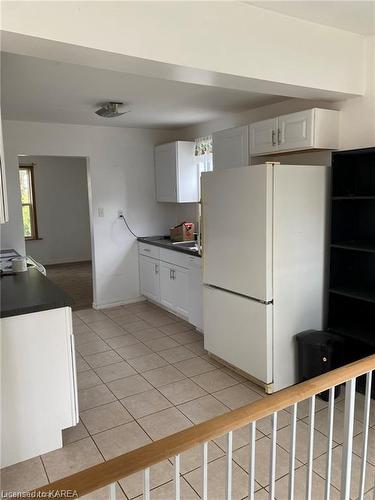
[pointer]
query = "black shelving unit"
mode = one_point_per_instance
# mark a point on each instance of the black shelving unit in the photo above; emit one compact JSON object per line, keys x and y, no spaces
{"x":351,"y":311}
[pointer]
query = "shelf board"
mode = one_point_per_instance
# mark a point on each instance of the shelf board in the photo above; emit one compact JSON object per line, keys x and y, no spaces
{"x":365,"y":335}
{"x":354,"y":197}
{"x":357,"y":245}
{"x":354,"y":293}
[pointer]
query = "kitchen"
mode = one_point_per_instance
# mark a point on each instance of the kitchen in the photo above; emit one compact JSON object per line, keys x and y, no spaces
{"x":161,"y":286}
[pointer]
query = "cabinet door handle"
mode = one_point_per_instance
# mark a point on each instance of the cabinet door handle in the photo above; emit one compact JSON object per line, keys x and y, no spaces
{"x":146,"y":250}
{"x":170,"y":274}
{"x":156,"y":269}
{"x":279,"y":136}
{"x":173,"y":274}
{"x":273,"y":138}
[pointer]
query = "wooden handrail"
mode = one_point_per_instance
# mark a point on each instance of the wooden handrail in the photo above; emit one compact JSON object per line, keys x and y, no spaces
{"x":103,"y":474}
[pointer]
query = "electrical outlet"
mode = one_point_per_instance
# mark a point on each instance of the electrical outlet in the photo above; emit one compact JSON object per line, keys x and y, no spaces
{"x":100,"y":212}
{"x":120,"y":213}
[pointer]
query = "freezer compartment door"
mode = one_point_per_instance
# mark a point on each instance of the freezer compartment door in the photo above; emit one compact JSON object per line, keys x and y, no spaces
{"x":237,"y":230}
{"x":239,"y":330}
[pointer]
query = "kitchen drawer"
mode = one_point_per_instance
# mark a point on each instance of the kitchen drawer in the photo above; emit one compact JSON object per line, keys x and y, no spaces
{"x":173,"y":257}
{"x":149,"y":250}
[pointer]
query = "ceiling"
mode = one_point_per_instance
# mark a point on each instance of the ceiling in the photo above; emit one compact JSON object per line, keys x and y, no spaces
{"x":355,"y":16}
{"x":48,"y":91}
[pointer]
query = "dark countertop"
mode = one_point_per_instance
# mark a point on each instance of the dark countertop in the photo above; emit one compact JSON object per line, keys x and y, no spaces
{"x":29,"y":292}
{"x":165,"y":242}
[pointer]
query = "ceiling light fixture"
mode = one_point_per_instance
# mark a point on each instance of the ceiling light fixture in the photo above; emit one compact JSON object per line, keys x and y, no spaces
{"x":111,"y":109}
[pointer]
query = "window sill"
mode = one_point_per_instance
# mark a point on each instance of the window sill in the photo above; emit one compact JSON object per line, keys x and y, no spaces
{"x":33,"y":239}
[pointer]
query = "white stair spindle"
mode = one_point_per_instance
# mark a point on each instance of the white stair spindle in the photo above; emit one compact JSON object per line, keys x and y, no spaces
{"x":146,"y":484}
{"x":273,"y":456}
{"x":252,"y":439}
{"x":205,"y":478}
{"x":331,"y":408}
{"x":228,"y":493}
{"x":366,"y":420}
{"x":112,"y":491}
{"x":346,"y":463}
{"x":311,"y":448}
{"x":292,"y":456}
{"x":177,"y":484}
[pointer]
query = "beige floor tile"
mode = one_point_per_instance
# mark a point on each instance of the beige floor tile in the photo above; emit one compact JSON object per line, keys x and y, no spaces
{"x":146,"y":403}
{"x":188,"y":337}
{"x":265,"y":424}
{"x":81,"y":364}
{"x":182,"y":391}
{"x":197,"y":347}
{"x":176,"y":354}
{"x":166,"y":492}
{"x":318,"y":487}
{"x":156,"y":319}
{"x":360,"y":407}
{"x":163,"y":376}
{"x":95,"y":396}
{"x":72,"y":434}
{"x":159,"y":474}
{"x":164,"y":423}
{"x":105,"y":417}
{"x":24,"y":476}
{"x":136,"y":326}
{"x":319,"y":466}
{"x":321,"y":423}
{"x":161,"y":344}
{"x":103,"y":359}
{"x":133,"y":351}
{"x":103,"y":494}
{"x":262,"y":495}
{"x":202,"y":409}
{"x":358,"y":443}
{"x":93,"y":347}
{"x":125,"y":319}
{"x":302,"y":440}
{"x":71,"y":458}
{"x":84,"y":338}
{"x":87,"y":379}
{"x":114,"y":331}
{"x":102,"y":325}
{"x":128,"y":386}
{"x":192,"y":459}
{"x":237,"y":396}
{"x":241,"y":438}
{"x":149,"y":362}
{"x":90,"y":315}
{"x":214,"y":380}
{"x":122,"y":341}
{"x":237,"y":376}
{"x":303,"y":407}
{"x":262,"y":460}
{"x":174,"y":328}
{"x":217,"y":480}
{"x":122,"y":439}
{"x":115,"y":371}
{"x":369,"y":495}
{"x":194,"y":366}
{"x":148,"y":334}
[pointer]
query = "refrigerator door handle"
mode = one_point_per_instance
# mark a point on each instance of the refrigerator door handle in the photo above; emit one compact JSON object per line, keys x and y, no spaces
{"x":261,"y":301}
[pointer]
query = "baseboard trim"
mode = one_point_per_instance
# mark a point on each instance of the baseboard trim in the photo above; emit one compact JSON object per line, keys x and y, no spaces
{"x":119,"y":303}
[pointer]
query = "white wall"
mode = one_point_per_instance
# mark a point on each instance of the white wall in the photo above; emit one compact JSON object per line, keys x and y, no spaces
{"x":232,"y":44}
{"x":62,"y":208}
{"x":121,"y":172}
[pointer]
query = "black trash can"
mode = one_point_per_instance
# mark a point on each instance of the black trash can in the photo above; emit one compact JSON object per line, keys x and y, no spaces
{"x":319,"y":352}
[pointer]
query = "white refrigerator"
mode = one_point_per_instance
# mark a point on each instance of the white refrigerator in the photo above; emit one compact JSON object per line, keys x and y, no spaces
{"x":264,"y":231}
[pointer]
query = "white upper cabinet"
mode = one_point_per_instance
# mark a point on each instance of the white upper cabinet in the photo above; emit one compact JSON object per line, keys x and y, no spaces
{"x":177,"y":179}
{"x":263,"y":137}
{"x":310,"y":129}
{"x":230,"y":148}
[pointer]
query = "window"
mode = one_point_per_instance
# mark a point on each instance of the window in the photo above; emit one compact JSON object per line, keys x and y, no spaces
{"x":30,"y":228}
{"x":203,"y":156}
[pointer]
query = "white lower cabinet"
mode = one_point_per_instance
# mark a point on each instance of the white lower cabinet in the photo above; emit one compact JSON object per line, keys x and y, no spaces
{"x":178,"y":288}
{"x":149,"y":270}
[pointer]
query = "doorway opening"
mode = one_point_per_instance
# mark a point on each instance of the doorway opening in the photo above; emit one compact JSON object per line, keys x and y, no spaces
{"x":56,"y":221}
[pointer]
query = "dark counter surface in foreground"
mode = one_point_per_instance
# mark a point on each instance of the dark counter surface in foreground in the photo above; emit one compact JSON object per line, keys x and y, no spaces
{"x":165,"y":242}
{"x":29,"y":292}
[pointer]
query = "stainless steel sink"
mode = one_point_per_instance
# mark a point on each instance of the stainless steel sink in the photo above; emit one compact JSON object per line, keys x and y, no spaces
{"x":190,"y":245}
